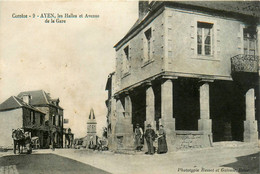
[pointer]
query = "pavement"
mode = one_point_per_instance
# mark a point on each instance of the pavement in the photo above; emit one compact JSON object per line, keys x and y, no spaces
{"x":230,"y":158}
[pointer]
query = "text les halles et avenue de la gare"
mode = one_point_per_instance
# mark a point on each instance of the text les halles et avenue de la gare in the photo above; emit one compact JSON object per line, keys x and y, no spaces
{"x":55,"y":18}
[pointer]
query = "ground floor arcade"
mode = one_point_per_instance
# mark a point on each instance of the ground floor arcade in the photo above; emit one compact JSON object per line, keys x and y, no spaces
{"x":194,"y":112}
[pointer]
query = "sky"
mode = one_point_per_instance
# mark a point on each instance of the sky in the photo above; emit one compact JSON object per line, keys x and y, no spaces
{"x":71,"y":60}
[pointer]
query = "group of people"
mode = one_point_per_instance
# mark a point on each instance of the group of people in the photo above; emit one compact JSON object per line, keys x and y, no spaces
{"x":21,"y":139}
{"x":150,"y":136}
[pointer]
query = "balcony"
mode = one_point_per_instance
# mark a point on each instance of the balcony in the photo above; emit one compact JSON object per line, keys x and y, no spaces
{"x":244,"y":64}
{"x":244,"y":70}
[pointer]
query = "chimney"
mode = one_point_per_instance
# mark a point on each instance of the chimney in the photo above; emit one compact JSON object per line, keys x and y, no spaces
{"x":143,"y":8}
{"x":26,"y":98}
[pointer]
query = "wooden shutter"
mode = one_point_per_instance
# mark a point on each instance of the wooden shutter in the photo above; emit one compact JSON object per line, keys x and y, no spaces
{"x":217,"y":43}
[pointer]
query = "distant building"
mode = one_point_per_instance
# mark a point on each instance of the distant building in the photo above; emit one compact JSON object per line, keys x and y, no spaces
{"x":53,"y":115}
{"x":18,"y":113}
{"x":91,"y":129}
{"x":193,"y":67}
{"x":111,"y":111}
{"x":68,"y":138}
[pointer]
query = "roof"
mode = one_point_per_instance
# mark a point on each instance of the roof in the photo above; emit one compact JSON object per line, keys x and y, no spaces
{"x":237,"y":8}
{"x":39,"y":97}
{"x":251,"y":8}
{"x":91,"y":114}
{"x":14,"y":103}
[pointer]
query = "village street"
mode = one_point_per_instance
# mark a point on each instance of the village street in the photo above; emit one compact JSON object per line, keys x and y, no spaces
{"x":230,"y":158}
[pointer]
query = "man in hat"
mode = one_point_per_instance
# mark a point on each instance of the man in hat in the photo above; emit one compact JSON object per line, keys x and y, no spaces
{"x":138,"y":137}
{"x":150,"y":137}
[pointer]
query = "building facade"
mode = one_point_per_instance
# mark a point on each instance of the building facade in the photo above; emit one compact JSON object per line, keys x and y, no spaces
{"x":53,"y":115}
{"x":192,"y":67}
{"x":18,"y":113}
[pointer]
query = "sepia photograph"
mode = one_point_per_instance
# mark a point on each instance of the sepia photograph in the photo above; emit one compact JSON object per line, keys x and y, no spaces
{"x":129,"y":87}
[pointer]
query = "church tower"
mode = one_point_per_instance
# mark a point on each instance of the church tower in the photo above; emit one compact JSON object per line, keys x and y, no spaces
{"x":91,"y":127}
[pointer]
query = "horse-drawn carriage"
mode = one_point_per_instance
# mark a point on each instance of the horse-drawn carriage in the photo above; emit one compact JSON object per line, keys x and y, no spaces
{"x":22,"y":141}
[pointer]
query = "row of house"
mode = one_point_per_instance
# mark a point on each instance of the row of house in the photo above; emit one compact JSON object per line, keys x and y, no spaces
{"x":35,"y":112}
{"x":192,"y":67}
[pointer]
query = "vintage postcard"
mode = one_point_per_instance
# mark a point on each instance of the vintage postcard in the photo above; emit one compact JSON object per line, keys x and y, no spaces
{"x":129,"y":87}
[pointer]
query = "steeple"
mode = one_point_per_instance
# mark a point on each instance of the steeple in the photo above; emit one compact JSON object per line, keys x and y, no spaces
{"x":91,"y":114}
{"x":91,"y":123}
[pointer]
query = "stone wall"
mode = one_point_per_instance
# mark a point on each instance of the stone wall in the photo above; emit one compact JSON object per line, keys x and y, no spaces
{"x":139,"y":67}
{"x":11,"y":119}
{"x":227,"y":37}
{"x":191,"y":140}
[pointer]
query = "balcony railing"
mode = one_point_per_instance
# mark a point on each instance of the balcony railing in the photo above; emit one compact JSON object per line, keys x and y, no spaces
{"x":244,"y":63}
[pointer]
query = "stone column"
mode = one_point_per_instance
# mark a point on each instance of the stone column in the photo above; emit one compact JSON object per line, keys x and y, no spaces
{"x":250,"y":124}
{"x":150,"y":111}
{"x":204,"y":123}
{"x":119,"y":126}
{"x":258,"y":85}
{"x":128,"y":126}
{"x":167,"y":119}
{"x":150,"y":107}
{"x":258,"y":43}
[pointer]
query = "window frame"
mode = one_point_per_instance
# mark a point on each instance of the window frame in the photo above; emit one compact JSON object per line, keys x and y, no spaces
{"x":126,"y":61}
{"x":203,"y":26}
{"x":248,"y":36}
{"x":148,"y":35}
{"x":41,"y":119}
{"x":53,"y":120}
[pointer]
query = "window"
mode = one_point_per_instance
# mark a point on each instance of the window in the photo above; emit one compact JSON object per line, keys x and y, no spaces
{"x":53,"y":120}
{"x":148,"y":46}
{"x":61,"y":119}
{"x":249,"y":41}
{"x":32,"y":118}
{"x":126,"y":65}
{"x":41,"y":119}
{"x":204,"y":38}
{"x":57,"y":120}
{"x":126,"y":50}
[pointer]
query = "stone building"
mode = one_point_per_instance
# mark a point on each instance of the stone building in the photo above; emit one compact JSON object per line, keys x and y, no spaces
{"x":192,"y":67}
{"x":91,"y":129}
{"x":111,"y":111}
{"x":18,"y":113}
{"x":53,"y":115}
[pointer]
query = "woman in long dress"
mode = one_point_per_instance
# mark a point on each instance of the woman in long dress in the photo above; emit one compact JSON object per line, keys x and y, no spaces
{"x":162,"y":144}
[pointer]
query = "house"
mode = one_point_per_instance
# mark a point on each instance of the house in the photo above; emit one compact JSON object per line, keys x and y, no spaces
{"x":18,"y":113}
{"x":192,"y":67}
{"x":53,"y":115}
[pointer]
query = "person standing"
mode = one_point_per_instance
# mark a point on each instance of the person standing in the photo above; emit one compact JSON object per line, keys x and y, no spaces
{"x":162,"y":144}
{"x":138,"y":137}
{"x":28,"y":142}
{"x":150,"y":137}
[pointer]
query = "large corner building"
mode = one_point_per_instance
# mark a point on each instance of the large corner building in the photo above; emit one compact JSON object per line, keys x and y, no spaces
{"x":192,"y":67}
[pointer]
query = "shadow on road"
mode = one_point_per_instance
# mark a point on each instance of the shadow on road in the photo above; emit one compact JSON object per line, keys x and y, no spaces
{"x":248,"y":164}
{"x":47,"y":163}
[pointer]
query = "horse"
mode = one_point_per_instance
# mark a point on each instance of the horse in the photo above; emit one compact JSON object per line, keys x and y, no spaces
{"x":19,"y":139}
